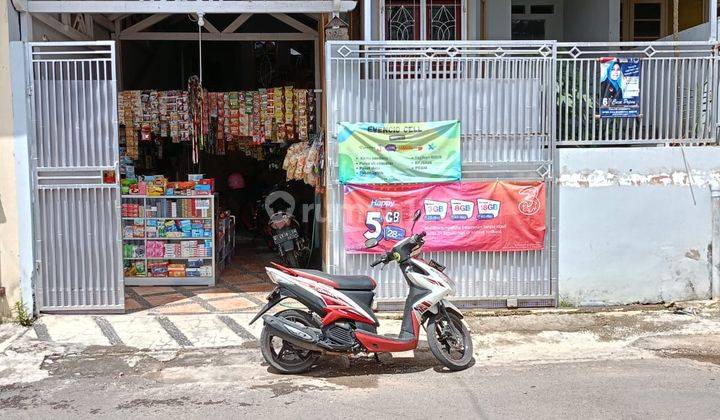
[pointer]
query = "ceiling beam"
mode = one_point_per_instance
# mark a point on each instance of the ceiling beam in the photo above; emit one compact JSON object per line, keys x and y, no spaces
{"x":89,"y":25}
{"x":184,"y":7}
{"x":210,"y":27}
{"x":238,"y":22}
{"x":294,"y":23}
{"x":66,"y":30}
{"x":104,"y":22}
{"x":145,"y":23}
{"x":193,"y":36}
{"x":117,"y":16}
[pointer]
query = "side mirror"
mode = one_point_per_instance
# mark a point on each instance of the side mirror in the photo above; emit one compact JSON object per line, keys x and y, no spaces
{"x":371,"y":243}
{"x":417,"y":215}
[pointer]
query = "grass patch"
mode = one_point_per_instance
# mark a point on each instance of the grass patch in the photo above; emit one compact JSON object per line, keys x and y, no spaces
{"x":22,"y":316}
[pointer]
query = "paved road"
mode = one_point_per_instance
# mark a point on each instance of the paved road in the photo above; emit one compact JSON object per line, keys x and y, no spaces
{"x":637,"y":364}
{"x":231,"y":383}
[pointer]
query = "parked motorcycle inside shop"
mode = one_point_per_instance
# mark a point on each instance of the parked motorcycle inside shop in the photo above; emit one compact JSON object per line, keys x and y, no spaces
{"x":337,"y":317}
{"x":260,"y":211}
{"x":290,"y":244}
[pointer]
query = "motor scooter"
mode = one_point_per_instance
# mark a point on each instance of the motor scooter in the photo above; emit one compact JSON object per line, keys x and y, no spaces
{"x":290,"y":244}
{"x":338,"y":319}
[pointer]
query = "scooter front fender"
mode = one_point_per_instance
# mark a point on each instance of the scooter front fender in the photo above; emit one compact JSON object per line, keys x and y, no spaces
{"x":450,"y":307}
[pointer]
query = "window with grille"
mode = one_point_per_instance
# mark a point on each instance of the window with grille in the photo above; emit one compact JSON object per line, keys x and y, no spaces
{"x":404,"y":20}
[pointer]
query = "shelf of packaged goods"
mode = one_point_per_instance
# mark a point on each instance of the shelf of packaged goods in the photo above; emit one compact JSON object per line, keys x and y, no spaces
{"x":167,"y":196}
{"x":170,"y":281}
{"x":188,"y":238}
{"x":175,"y":218}
{"x":208,"y":260}
{"x":176,"y":258}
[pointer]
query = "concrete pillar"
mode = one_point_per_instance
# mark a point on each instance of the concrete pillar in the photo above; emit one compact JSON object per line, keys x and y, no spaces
{"x":9,"y":218}
{"x":498,"y":16}
{"x":715,"y":258}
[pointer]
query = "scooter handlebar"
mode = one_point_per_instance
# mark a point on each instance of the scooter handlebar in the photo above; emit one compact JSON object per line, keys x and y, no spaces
{"x":384,"y":259}
{"x":376,"y":262}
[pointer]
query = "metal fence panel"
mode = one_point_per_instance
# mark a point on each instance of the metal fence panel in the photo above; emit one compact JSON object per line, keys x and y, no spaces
{"x":76,"y":215}
{"x":678,"y":94}
{"x":503,"y":94}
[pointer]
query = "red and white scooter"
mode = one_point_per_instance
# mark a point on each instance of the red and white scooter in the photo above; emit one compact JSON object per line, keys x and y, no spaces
{"x":338,"y":319}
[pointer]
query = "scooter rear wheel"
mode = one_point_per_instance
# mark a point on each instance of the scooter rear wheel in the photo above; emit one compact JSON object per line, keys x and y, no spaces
{"x":281,"y":354}
{"x":453,"y":351}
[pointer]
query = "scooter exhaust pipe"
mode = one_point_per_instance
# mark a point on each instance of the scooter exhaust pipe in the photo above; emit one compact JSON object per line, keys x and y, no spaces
{"x":292,"y":332}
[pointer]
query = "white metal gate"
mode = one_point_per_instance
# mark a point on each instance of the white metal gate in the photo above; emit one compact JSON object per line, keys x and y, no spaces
{"x":76,"y":213}
{"x":504,"y":95}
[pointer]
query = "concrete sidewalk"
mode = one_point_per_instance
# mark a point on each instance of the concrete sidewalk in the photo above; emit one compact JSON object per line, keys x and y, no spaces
{"x":526,"y":330}
{"x":151,"y":331}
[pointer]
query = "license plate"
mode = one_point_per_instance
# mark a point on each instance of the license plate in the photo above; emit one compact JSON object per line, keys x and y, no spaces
{"x":288,"y":235}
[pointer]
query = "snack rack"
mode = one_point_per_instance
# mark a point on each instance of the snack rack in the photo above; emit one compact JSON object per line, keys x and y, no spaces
{"x":190,"y":223}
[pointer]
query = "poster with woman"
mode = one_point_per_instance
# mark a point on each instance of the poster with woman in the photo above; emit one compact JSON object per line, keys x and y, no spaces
{"x":619,"y":87}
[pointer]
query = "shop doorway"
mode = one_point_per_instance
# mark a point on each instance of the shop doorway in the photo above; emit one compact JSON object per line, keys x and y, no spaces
{"x":247,"y":132}
{"x":171,"y":198}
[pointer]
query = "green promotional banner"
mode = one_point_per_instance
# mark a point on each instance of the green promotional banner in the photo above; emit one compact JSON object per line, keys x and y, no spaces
{"x":393,"y":153}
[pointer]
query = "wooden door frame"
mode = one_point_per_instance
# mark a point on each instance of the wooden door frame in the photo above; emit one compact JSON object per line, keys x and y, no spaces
{"x":628,"y":12}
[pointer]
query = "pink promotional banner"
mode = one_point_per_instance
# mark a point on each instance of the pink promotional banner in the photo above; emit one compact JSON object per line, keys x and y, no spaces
{"x":460,"y":216}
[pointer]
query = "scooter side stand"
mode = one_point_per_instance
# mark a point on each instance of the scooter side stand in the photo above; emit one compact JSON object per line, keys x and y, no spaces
{"x":383,"y":358}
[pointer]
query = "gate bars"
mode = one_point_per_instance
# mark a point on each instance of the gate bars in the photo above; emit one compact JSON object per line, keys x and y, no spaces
{"x":678,"y":94}
{"x":76,"y":215}
{"x":504,"y":95}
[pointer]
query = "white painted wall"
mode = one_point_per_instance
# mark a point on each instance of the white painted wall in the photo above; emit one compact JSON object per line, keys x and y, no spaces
{"x":629,"y":231}
{"x":498,"y":17}
{"x":473,"y":16}
{"x":553,"y":23}
{"x":22,"y":174}
{"x":696,"y":33}
{"x":592,"y":20}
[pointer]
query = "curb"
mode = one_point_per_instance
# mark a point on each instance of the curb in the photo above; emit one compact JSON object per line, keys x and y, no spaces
{"x":8,"y":342}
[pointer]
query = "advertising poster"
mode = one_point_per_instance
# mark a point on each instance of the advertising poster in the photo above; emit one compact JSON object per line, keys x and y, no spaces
{"x":394,"y":153}
{"x":459,"y":216}
{"x":619,"y":87}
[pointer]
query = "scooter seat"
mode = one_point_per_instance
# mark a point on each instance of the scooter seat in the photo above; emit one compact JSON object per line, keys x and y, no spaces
{"x":343,"y":282}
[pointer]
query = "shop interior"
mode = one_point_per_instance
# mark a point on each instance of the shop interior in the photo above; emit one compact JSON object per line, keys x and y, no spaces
{"x":215,"y":138}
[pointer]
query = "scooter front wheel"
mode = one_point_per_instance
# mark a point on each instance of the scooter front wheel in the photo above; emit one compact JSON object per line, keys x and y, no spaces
{"x":453,"y":347}
{"x":281,"y":354}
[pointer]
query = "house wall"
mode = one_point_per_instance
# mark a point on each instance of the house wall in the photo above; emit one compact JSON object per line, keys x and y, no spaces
{"x":9,"y":216}
{"x":592,"y":20}
{"x":696,"y":33}
{"x":498,"y":19}
{"x":553,"y":23}
{"x":629,"y":230}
